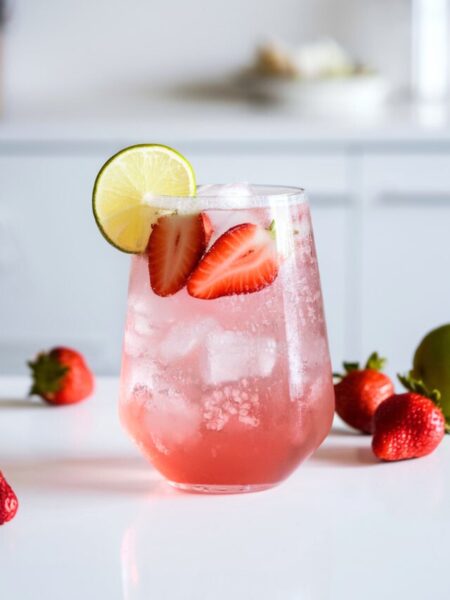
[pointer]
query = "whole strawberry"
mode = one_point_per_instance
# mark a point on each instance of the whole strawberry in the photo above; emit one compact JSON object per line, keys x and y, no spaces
{"x":408,"y":425}
{"x":361,"y":391}
{"x":8,"y":501}
{"x":61,"y":376}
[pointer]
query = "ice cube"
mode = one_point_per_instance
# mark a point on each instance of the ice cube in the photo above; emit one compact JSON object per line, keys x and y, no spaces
{"x":138,"y":304}
{"x":171,"y":419}
{"x":232,"y":195}
{"x":184,"y":337}
{"x":142,"y":371}
{"x":229,"y":190}
{"x":139,"y":335}
{"x":265,"y":354}
{"x":231,"y":355}
{"x":142,"y":325}
{"x":239,"y":197}
{"x":134,"y":344}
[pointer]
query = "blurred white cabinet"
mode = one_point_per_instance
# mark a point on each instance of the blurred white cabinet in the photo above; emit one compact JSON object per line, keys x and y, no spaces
{"x":332,"y":226}
{"x":60,"y":282}
{"x":406,"y":251}
{"x":381,"y":220}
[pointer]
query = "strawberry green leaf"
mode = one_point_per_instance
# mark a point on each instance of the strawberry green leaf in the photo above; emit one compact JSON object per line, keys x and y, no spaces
{"x":418,"y":387}
{"x":350,"y":366}
{"x":375,"y":362}
{"x":47,"y":373}
{"x":272,"y":229}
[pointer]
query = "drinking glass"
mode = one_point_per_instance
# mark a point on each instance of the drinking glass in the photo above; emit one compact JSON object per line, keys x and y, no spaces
{"x":231,"y":394}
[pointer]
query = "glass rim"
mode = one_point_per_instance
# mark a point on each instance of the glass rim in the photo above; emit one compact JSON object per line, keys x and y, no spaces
{"x":265,"y":196}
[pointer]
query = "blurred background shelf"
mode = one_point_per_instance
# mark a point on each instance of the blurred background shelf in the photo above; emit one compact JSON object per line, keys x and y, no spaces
{"x":204,"y":121}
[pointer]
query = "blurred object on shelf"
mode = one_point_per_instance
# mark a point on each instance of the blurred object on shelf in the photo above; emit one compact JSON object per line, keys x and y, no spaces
{"x":318,"y":78}
{"x":316,"y":60}
{"x":351,"y":96}
{"x":430,"y":49}
{"x":273,"y":59}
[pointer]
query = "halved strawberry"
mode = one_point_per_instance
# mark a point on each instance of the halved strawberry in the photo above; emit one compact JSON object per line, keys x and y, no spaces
{"x":243,"y":260}
{"x":176,"y":245}
{"x":207,"y":226}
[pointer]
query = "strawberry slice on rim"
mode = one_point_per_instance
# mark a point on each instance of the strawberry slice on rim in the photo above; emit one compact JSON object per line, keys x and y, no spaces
{"x":175,"y":247}
{"x":207,"y":226}
{"x":243,"y":260}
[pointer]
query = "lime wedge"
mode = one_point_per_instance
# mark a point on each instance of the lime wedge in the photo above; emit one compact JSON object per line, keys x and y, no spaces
{"x":125,"y":193}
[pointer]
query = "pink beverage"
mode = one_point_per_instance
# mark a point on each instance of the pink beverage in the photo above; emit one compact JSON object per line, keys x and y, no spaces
{"x":232,"y":393}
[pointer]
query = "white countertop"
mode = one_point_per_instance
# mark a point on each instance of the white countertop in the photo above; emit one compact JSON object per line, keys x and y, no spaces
{"x":175,"y":121}
{"x":97,"y":522}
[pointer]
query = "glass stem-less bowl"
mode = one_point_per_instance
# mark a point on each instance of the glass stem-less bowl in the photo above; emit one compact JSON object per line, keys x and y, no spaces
{"x":231,"y":394}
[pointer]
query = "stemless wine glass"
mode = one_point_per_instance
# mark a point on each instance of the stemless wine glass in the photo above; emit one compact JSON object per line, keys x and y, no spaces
{"x":231,"y":394}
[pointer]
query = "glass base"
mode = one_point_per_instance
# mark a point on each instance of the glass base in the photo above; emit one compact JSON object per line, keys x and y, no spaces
{"x":205,"y":488}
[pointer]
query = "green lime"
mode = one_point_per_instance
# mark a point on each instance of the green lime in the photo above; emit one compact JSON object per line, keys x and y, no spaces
{"x":432,"y":364}
{"x":126,"y":189}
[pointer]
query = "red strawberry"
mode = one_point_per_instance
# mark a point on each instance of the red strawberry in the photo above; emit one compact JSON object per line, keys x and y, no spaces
{"x":408,"y":425}
{"x":207,"y":226}
{"x":360,"y":391}
{"x":176,"y":245}
{"x":8,"y":501}
{"x":61,"y":376}
{"x":243,"y":260}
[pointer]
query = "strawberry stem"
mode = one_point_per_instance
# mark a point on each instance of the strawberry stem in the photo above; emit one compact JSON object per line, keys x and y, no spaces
{"x":350,"y":366}
{"x":47,"y":374}
{"x":272,"y":229}
{"x":418,"y":387}
{"x":375,"y":362}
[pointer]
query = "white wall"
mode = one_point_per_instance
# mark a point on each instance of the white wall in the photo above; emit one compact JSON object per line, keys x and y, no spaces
{"x":66,"y":49}
{"x":379,"y":33}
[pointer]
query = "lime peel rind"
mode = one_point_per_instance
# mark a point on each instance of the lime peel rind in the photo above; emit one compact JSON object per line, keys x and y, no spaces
{"x":158,"y":170}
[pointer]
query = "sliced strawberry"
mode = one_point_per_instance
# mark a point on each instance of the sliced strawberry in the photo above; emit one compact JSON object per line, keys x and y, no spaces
{"x":243,"y":260}
{"x":176,"y":245}
{"x":8,"y":501}
{"x":207,"y":226}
